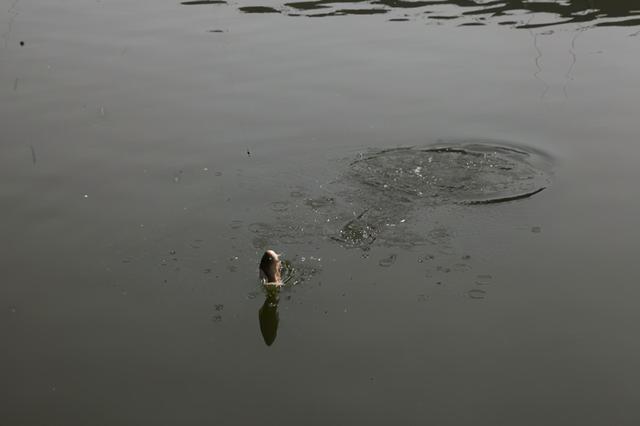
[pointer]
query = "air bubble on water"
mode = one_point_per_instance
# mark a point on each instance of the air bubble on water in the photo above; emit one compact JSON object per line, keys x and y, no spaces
{"x":484,"y":279}
{"x":476,"y":293}
{"x":86,"y":195}
{"x":388,"y":261}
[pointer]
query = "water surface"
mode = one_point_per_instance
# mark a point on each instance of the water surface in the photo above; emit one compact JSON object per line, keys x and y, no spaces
{"x":152,"y":150}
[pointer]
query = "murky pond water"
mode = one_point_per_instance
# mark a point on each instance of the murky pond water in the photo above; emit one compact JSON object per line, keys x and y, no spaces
{"x":452,"y":186}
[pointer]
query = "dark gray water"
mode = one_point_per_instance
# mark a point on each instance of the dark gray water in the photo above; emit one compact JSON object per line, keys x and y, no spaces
{"x":453,"y":186}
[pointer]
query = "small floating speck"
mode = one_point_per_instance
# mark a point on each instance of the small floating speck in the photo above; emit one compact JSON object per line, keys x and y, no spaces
{"x":85,"y":196}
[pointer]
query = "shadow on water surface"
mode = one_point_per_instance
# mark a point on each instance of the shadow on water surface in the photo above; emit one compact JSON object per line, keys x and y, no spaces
{"x":467,"y":12}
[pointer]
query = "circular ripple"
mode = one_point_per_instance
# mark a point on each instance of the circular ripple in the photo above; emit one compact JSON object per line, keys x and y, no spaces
{"x":470,"y":173}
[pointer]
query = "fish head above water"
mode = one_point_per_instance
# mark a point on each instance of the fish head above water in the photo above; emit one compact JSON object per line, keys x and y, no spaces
{"x":271,"y":268}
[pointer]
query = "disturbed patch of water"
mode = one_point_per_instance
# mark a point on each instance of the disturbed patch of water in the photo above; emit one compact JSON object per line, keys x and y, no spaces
{"x":455,"y":173}
{"x":376,"y":197}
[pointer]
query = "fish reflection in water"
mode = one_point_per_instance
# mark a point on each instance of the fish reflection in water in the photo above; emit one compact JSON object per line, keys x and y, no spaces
{"x":268,"y":314}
